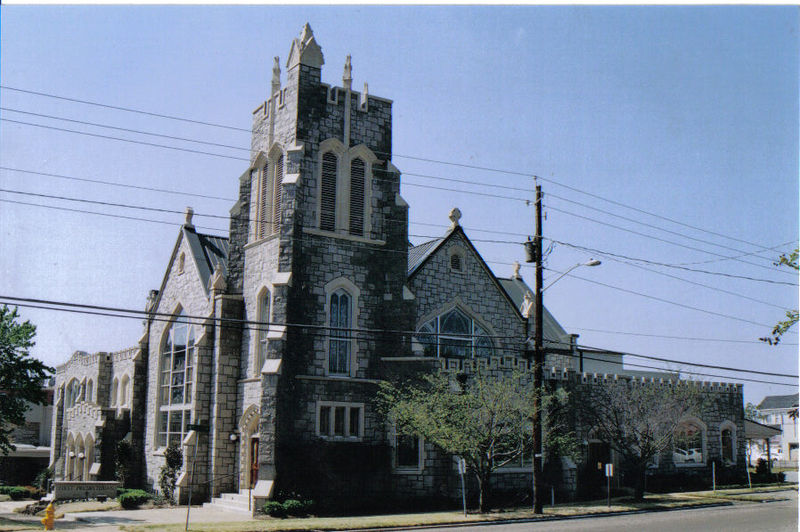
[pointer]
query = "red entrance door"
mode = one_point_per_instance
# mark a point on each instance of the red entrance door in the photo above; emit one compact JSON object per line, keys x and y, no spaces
{"x":253,"y":461}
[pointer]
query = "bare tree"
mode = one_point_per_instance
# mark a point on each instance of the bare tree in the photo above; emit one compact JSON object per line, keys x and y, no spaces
{"x":638,"y":419}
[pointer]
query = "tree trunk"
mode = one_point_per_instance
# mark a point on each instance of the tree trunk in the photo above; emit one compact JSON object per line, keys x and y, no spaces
{"x":638,"y":493}
{"x":484,"y":505}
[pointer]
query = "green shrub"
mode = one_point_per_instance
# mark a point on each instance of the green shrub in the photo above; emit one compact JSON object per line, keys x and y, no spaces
{"x":18,"y":493}
{"x":296,"y":508}
{"x":133,"y":499}
{"x":274,"y":509}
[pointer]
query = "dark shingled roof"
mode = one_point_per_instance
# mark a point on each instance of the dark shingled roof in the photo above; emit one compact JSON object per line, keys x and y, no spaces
{"x":208,"y":251}
{"x":778,"y":401}
{"x":418,"y":254}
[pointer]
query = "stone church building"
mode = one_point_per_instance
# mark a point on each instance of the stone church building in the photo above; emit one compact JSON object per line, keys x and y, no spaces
{"x":262,"y":350}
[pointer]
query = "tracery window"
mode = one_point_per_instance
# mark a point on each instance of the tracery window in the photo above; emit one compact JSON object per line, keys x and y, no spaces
{"x":689,"y":444}
{"x":177,"y":372}
{"x":454,"y":335}
{"x":263,"y":330}
{"x":340,"y":342}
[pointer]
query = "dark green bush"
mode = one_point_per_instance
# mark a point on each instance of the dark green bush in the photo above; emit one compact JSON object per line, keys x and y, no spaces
{"x":274,"y":509}
{"x":18,"y":493}
{"x":133,"y":499}
{"x":297,"y":508}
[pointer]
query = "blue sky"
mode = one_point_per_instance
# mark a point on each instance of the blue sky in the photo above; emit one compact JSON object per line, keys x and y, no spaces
{"x":686,"y":113}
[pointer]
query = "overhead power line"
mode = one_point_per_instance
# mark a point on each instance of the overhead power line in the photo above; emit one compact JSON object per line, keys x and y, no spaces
{"x":655,"y":263}
{"x":669,"y":302}
{"x":410,"y":157}
{"x":673,"y":337}
{"x":127,"y":109}
{"x":661,"y":239}
{"x":141,"y":314}
{"x":682,"y":305}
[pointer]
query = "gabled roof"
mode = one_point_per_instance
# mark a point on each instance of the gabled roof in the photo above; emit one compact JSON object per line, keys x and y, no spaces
{"x":758,"y":431}
{"x":516,"y":289}
{"x":418,"y":254}
{"x":208,"y":251}
{"x":771,"y":402}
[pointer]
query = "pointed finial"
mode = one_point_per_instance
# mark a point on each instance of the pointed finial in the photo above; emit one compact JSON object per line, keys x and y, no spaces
{"x":347,"y":77}
{"x":515,"y":268}
{"x":189,"y":213}
{"x":455,"y":216}
{"x":276,"y":75}
{"x":217,"y":282}
{"x":527,"y":305}
{"x":364,"y":95}
{"x":306,"y":34}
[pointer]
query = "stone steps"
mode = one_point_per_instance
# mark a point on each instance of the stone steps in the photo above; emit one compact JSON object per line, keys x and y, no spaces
{"x":232,"y":502}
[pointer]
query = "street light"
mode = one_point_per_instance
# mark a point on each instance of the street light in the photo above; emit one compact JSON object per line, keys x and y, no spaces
{"x":590,"y":262}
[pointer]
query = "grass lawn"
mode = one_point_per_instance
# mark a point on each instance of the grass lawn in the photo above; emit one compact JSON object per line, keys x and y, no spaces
{"x":7,"y":525}
{"x":434,"y":518}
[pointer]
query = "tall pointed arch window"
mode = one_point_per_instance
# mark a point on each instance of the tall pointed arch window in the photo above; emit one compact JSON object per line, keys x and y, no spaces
{"x":339,"y":343}
{"x":327,"y":213}
{"x":263,"y":203}
{"x":263,"y":330}
{"x":357,"y":188}
{"x":454,"y":335}
{"x":269,"y":192}
{"x":176,"y":379}
{"x":277,"y":191}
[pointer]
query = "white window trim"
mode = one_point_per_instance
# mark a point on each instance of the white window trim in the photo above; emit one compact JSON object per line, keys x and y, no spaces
{"x":348,"y":286}
{"x":344,"y":159}
{"x":407,"y":470}
{"x":188,"y":406}
{"x":457,"y":304}
{"x":347,"y":406}
{"x":703,"y":442}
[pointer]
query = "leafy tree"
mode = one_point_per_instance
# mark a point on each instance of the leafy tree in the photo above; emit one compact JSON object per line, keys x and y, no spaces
{"x":638,"y":419}
{"x":168,"y":477}
{"x":782,"y":326}
{"x":751,"y":412}
{"x":21,"y":376}
{"x":484,"y":419}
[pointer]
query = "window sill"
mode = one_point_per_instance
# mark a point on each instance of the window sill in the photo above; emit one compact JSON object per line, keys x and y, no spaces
{"x":160,"y":451}
{"x":408,"y":470}
{"x":343,"y":236}
{"x":690,"y":465}
{"x":342,"y":439}
{"x":254,"y":243}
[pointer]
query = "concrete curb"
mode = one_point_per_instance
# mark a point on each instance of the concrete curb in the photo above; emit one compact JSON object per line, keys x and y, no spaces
{"x":549,"y":518}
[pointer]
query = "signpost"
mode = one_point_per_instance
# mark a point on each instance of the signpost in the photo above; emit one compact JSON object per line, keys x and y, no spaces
{"x":609,"y":474}
{"x":462,"y":468}
{"x":199,"y":428}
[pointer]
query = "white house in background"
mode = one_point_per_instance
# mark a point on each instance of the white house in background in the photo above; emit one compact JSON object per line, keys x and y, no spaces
{"x":780,"y":411}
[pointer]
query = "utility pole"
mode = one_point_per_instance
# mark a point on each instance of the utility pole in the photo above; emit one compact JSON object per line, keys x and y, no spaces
{"x":538,"y":359}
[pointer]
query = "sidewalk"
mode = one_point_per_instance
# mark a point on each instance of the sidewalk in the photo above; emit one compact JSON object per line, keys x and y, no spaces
{"x":212,"y":519}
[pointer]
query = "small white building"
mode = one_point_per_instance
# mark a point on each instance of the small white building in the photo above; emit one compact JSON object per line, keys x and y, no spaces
{"x":780,"y":411}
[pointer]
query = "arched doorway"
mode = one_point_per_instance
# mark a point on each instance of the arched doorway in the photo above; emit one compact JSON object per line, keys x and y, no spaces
{"x":248,"y":452}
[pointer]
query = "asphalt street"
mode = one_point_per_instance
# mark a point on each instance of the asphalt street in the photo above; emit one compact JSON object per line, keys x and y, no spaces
{"x":778,"y":516}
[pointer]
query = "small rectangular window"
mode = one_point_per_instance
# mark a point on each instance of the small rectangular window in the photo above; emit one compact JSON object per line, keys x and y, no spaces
{"x":338,"y":421}
{"x":355,"y":421}
{"x":407,"y":451}
{"x":325,"y":420}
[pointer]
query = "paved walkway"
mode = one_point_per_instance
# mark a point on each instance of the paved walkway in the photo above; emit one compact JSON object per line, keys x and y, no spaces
{"x":112,"y":520}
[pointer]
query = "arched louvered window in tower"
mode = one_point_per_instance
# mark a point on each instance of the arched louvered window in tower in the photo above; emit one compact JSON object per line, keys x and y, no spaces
{"x":357,"y":173}
{"x":276,"y":195}
{"x":263,"y":207}
{"x":327,"y":214}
